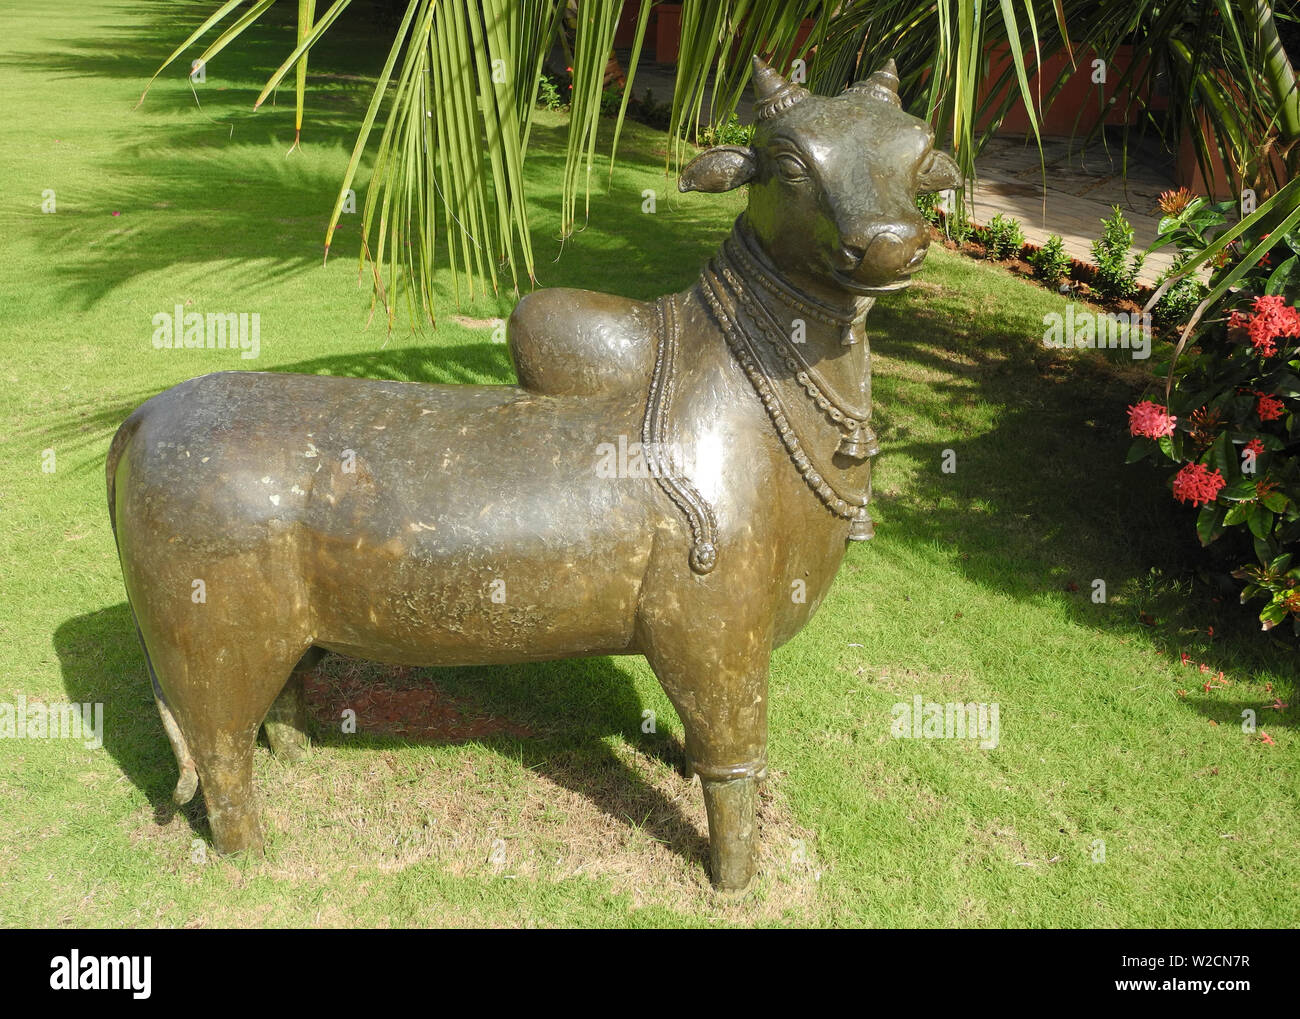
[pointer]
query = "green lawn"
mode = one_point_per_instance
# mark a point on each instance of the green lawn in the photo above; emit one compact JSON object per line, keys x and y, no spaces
{"x":530,"y":795}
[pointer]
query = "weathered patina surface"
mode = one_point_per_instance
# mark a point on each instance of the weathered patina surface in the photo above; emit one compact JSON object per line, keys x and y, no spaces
{"x":263,"y":518}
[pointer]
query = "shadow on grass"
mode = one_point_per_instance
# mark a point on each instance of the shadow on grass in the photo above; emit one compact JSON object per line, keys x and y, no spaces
{"x":1041,"y":500}
{"x":1232,"y":713}
{"x":238,"y":210}
{"x":194,"y":174}
{"x":573,"y":705}
{"x":1041,"y":503}
{"x":192,"y":187}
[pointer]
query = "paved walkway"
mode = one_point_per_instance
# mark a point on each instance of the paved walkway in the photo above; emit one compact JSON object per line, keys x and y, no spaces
{"x":1080,"y":190}
{"x":1080,"y":187}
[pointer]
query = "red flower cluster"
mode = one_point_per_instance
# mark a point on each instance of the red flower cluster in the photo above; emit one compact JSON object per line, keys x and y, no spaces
{"x":1269,"y":408}
{"x":1150,"y":420}
{"x":1196,"y":484}
{"x":1272,"y":320}
{"x":1256,"y":446}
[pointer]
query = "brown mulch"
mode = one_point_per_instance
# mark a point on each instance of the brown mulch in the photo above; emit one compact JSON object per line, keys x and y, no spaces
{"x":396,"y":702}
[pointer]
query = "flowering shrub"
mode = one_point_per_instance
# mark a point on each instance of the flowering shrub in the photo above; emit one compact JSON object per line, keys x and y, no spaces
{"x":1197,"y":485}
{"x":1232,"y":424}
{"x":1150,"y":420}
{"x":1270,"y":320}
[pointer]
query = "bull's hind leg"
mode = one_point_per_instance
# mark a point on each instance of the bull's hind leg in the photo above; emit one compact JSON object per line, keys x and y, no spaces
{"x":722,"y":702}
{"x":219,"y":690}
{"x":286,"y":722}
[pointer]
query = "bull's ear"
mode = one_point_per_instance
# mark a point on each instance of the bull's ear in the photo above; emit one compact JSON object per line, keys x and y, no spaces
{"x":718,"y":169}
{"x":939,"y":173}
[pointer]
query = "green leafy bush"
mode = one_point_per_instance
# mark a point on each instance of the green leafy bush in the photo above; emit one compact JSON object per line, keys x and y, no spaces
{"x":929,"y":208}
{"x":611,"y":101}
{"x":733,"y":132}
{"x":1190,"y":224}
{"x":1050,"y":262}
{"x":548,"y":94}
{"x":959,"y":228}
{"x":649,"y":112}
{"x":1003,"y":237}
{"x":1116,"y":276}
{"x":1232,"y":425}
{"x":1180,"y":300}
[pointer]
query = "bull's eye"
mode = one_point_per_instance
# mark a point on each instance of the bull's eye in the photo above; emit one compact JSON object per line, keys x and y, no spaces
{"x":791,"y":168}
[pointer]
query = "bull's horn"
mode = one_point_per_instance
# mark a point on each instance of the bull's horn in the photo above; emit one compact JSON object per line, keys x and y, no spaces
{"x":882,"y":84}
{"x":773,"y":93}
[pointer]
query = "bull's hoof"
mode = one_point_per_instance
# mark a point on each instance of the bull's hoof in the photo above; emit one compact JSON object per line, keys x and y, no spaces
{"x":288,"y":742}
{"x":735,"y":893}
{"x":252,"y":851}
{"x":733,"y":841}
{"x":286,"y":722}
{"x":236,"y":833}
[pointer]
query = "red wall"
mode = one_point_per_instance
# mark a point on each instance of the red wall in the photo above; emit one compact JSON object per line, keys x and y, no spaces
{"x":1078,"y":95}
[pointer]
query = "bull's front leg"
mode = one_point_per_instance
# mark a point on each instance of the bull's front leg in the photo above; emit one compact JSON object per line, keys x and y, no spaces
{"x":732,"y":806}
{"x":722,"y":701}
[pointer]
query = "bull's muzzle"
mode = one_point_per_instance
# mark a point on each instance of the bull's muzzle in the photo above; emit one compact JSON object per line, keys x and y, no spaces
{"x":893,"y":253}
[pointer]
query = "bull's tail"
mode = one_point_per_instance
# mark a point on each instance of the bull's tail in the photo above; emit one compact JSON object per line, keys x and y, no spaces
{"x":188,"y":783}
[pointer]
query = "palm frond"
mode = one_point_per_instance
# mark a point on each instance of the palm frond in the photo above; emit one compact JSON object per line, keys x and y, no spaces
{"x":458,"y":88}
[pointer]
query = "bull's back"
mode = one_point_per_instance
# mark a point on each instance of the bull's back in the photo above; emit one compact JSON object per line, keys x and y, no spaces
{"x":418,"y":524}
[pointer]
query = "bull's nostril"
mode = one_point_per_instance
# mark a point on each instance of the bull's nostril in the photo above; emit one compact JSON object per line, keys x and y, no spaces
{"x":852,"y":255}
{"x":888,"y":253}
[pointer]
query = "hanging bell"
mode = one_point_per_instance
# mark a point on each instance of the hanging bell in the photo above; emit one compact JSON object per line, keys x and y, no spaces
{"x":851,"y":445}
{"x":855,"y":330}
{"x":862,"y":529}
{"x":859,"y":444}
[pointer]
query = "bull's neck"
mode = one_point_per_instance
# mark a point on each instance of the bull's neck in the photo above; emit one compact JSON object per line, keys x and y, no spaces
{"x":808,"y":365}
{"x":825,"y":329}
{"x":826,"y":297}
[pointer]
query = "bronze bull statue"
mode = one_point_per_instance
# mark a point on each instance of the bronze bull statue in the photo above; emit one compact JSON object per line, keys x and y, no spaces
{"x":264,"y":518}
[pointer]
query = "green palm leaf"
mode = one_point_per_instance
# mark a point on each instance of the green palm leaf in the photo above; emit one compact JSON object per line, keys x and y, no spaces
{"x":447,"y":182}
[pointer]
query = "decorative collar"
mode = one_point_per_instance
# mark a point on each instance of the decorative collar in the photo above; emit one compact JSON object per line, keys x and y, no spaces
{"x":742,"y":246}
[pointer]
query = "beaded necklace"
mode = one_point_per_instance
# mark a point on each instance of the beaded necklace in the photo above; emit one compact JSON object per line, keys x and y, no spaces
{"x":848,"y":505}
{"x":850,"y":324}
